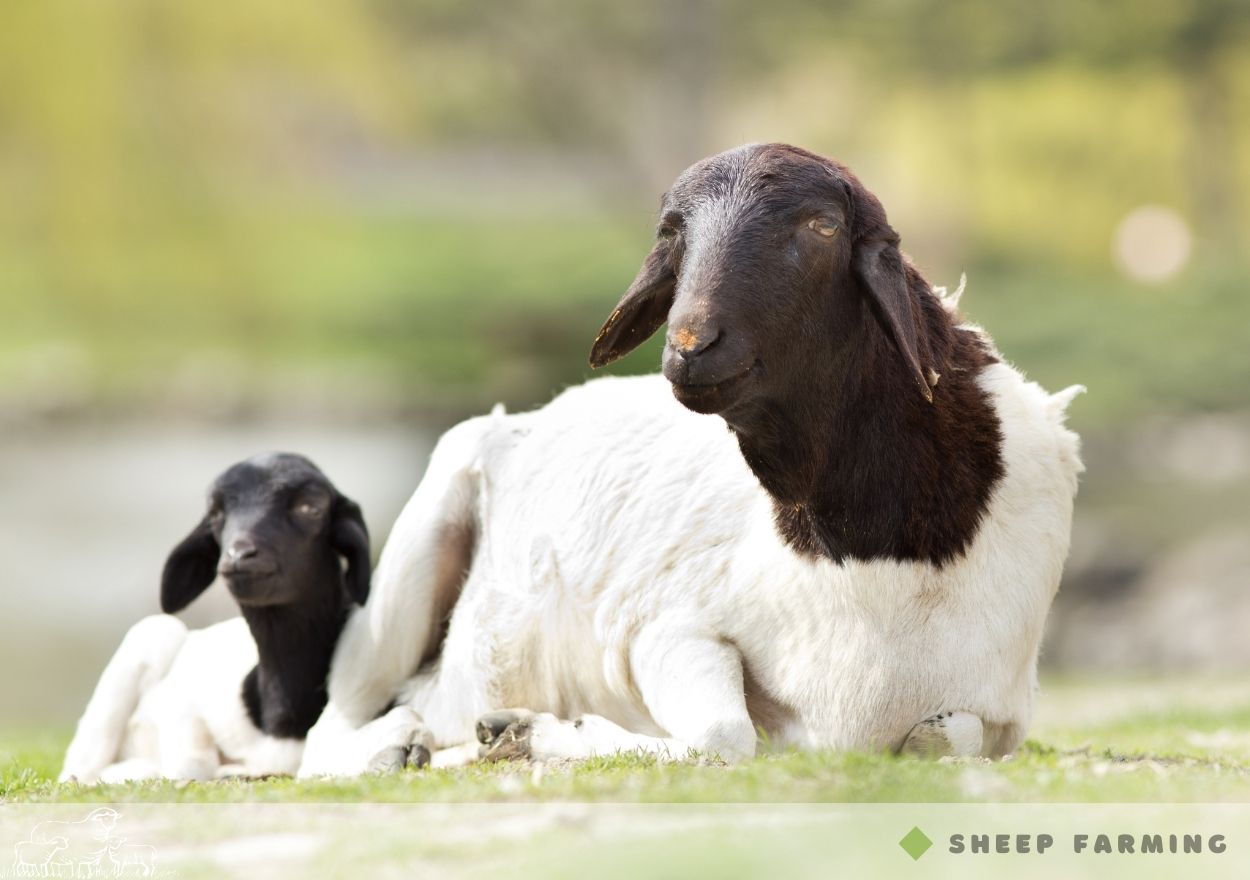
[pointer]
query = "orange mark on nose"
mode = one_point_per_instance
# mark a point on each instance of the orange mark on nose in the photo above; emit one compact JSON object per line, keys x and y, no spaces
{"x":685,"y":339}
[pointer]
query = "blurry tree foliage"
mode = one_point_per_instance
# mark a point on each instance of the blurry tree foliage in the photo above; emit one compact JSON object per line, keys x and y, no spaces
{"x":258,"y":174}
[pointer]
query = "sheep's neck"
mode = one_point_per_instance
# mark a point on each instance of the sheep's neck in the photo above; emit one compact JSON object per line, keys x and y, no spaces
{"x":869,"y":469}
{"x":286,"y":691}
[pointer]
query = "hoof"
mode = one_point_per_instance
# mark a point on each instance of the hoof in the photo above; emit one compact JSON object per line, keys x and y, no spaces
{"x":391,"y":759}
{"x":512,"y":744}
{"x":492,"y":725}
{"x":954,"y":734}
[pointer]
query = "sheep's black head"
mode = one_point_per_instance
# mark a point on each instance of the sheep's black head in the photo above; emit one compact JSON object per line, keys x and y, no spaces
{"x":274,"y":531}
{"x":766,"y":257}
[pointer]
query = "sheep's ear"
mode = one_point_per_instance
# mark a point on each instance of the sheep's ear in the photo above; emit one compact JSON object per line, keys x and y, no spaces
{"x":879,"y":266}
{"x":640,"y":312}
{"x":350,"y":539}
{"x":190,"y":568}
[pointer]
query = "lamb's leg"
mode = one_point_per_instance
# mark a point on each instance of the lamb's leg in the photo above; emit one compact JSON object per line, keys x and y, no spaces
{"x":690,"y":681}
{"x":141,"y":660}
{"x":957,"y":734}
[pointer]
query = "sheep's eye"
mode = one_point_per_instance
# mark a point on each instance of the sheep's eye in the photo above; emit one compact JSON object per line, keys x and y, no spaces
{"x":216,"y":515}
{"x":308,"y":509}
{"x":821,"y":226}
{"x":670,"y":225}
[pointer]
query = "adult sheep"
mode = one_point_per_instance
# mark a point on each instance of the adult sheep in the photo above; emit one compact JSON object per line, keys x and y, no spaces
{"x":844,"y":532}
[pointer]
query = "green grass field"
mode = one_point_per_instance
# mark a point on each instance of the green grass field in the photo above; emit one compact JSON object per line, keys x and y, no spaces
{"x":1174,"y":740}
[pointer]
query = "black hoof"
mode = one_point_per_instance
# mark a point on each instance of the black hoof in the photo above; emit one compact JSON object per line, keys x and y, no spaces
{"x":390,"y":760}
{"x":492,"y":725}
{"x":513,"y":744}
{"x":418,"y":757}
{"x":928,"y":738}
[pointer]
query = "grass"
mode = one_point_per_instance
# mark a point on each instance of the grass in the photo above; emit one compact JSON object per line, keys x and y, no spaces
{"x":1095,"y":741}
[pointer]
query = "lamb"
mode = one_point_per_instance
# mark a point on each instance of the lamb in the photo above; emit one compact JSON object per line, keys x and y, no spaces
{"x":837,"y":520}
{"x":139,"y":856}
{"x":238,"y":697}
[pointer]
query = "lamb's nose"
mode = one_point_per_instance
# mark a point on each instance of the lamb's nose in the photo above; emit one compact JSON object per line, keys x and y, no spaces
{"x":689,"y":343}
{"x":241,"y":548}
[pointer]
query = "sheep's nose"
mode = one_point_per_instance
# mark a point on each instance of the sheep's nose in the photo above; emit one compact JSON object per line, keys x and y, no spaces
{"x":689,"y":343}
{"x":241,"y":548}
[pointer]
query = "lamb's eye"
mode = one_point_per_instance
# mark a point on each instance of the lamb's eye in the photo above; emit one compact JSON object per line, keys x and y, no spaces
{"x":308,"y":509}
{"x":666,"y":230}
{"x":824,"y":227}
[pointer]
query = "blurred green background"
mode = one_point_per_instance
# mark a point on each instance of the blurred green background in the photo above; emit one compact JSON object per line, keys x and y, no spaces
{"x":338,"y":226}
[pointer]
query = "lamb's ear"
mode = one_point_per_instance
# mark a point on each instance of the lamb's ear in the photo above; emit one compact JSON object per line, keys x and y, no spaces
{"x":641,"y":311}
{"x":879,"y":265}
{"x":190,"y":568}
{"x":350,"y":539}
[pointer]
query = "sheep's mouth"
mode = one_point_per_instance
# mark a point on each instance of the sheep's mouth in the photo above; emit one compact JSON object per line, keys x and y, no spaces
{"x":714,"y":397}
{"x":255,"y":590}
{"x":247,"y":575}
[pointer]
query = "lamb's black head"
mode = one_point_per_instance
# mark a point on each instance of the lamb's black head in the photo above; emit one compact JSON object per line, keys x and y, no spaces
{"x":767,"y":258}
{"x":275,"y":531}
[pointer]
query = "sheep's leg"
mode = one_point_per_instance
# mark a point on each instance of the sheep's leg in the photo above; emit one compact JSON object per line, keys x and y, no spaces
{"x":490,"y":727}
{"x":267,"y":756}
{"x":386,"y":744}
{"x":456,"y":756}
{"x":132,"y":770}
{"x":544,"y":737}
{"x":141,"y":660}
{"x":418,"y":579}
{"x":957,"y":734}
{"x":187,"y":749}
{"x":396,"y":740}
{"x":691,"y":683}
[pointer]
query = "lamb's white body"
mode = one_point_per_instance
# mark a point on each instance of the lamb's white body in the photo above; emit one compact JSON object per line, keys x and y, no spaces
{"x":170,"y":704}
{"x":626,"y":564}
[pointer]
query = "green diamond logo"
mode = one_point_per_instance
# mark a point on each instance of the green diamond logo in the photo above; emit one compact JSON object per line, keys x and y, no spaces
{"x":916,"y":843}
